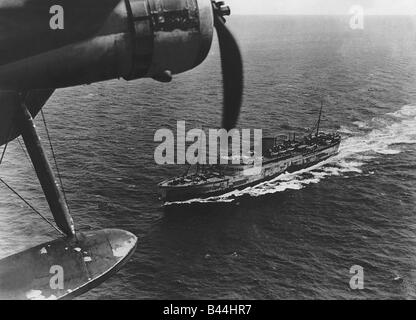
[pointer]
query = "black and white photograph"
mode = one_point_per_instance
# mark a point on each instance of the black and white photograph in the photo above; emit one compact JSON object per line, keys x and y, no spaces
{"x":220,"y":152}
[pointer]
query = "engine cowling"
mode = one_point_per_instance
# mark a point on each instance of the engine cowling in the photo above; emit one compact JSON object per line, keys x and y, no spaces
{"x":169,"y":37}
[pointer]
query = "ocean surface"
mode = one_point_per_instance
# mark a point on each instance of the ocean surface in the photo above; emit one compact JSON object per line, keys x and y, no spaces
{"x":292,"y":238}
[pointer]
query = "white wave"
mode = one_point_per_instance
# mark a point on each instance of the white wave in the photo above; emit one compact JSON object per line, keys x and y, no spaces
{"x":361,"y":124}
{"x":387,"y":151}
{"x":345,"y":130}
{"x":406,"y":112}
{"x":385,"y":135}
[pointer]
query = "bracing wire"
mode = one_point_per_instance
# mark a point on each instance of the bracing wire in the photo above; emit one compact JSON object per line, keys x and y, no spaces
{"x":25,"y":153}
{"x":25,"y":201}
{"x":3,"y":153}
{"x":19,"y":196}
{"x":54,"y":159}
{"x":15,"y":192}
{"x":30,"y":206}
{"x":7,"y":143}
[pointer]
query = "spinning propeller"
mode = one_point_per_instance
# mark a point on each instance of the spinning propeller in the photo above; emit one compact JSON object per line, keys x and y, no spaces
{"x":232,"y":67}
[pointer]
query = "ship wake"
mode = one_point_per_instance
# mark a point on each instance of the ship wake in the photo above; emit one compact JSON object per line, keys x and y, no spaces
{"x":363,"y":142}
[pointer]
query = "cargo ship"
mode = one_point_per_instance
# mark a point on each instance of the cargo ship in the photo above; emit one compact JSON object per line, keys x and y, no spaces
{"x":277,"y":158}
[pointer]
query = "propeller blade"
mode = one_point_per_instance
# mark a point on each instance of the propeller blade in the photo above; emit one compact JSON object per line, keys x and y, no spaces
{"x":232,"y":73}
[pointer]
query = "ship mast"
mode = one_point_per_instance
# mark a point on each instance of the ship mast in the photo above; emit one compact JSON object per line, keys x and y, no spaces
{"x":319,"y":120}
{"x":198,"y":164}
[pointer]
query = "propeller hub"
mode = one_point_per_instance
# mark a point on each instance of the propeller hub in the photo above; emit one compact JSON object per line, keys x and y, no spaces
{"x":220,"y":9}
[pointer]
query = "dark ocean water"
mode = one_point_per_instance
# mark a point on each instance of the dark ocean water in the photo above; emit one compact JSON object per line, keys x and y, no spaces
{"x":295,"y":237}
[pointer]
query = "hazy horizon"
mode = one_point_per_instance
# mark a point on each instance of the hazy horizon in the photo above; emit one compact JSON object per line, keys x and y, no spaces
{"x":318,"y":14}
{"x":322,"y":7}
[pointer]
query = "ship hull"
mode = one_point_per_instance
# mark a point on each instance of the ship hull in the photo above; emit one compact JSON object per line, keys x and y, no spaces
{"x":271,"y":169}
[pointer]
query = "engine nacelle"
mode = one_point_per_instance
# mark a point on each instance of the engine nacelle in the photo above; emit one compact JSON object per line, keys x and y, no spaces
{"x":169,"y":36}
{"x":138,"y":39}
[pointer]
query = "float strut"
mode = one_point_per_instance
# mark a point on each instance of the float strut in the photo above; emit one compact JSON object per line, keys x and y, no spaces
{"x":43,"y":169}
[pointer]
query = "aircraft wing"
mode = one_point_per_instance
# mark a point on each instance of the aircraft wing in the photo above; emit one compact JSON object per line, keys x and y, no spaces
{"x":25,"y":30}
{"x":9,"y":102}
